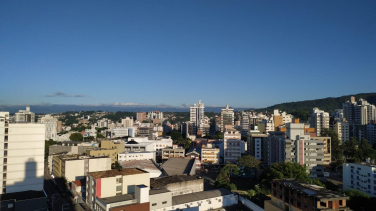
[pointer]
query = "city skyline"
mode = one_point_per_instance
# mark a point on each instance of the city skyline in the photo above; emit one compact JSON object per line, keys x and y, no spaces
{"x":96,"y":53}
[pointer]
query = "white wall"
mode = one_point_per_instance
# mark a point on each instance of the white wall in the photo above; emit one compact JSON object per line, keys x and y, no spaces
{"x":99,"y":164}
{"x":129,"y":181}
{"x":363,"y":178}
{"x":25,"y":157}
{"x":136,"y":156}
{"x":108,"y":187}
{"x":250,"y":204}
{"x":206,"y":204}
{"x":74,"y":170}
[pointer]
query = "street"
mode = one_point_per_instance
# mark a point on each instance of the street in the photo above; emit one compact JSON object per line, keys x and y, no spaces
{"x":59,"y":203}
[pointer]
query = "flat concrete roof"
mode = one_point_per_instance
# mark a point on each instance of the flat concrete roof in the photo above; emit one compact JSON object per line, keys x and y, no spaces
{"x":119,"y":198}
{"x":160,"y":182}
{"x":114,"y":173}
{"x":186,"y":198}
{"x":158,"y":191}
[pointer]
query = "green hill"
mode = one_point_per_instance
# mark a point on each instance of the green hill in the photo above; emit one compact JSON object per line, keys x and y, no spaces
{"x":301,"y":109}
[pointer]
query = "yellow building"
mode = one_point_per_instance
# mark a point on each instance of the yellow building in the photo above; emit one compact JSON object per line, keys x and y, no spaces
{"x":58,"y":164}
{"x":97,"y":152}
{"x":327,"y":149}
{"x":210,"y":154}
{"x":110,"y":144}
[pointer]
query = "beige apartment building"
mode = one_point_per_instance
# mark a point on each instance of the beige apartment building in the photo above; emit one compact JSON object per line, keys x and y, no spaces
{"x":74,"y":167}
{"x":111,"y":183}
{"x":173,"y":152}
{"x":209,"y":154}
{"x":98,"y":152}
{"x":110,"y":144}
{"x":232,"y":145}
{"x":327,"y":149}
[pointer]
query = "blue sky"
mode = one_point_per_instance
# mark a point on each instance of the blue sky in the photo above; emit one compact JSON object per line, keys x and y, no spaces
{"x":241,"y":53}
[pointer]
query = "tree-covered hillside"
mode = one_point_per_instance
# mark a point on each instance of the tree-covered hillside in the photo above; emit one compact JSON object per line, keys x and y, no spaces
{"x":327,"y":104}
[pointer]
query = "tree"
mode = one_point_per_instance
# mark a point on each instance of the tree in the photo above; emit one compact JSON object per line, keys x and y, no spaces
{"x":286,"y":170}
{"x":247,"y":163}
{"x":359,"y":200}
{"x":218,"y":135}
{"x":116,"y":166}
{"x":223,"y":178}
{"x":100,"y":136}
{"x":47,"y":147}
{"x":365,"y":150}
{"x":357,"y":152}
{"x":89,"y":138}
{"x":76,"y":137}
{"x":175,"y":135}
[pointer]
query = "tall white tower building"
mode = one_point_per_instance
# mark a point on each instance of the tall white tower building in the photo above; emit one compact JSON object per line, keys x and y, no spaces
{"x":51,"y":124}
{"x":21,"y":155}
{"x":197,"y":115}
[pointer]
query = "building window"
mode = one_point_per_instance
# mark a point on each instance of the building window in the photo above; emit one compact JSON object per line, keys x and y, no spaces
{"x":165,"y":202}
{"x":154,"y":204}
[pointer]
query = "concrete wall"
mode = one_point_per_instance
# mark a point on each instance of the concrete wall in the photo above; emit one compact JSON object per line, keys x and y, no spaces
{"x":206,"y":204}
{"x":74,"y":170}
{"x":129,"y":181}
{"x":99,"y":164}
{"x":186,"y":187}
{"x":108,"y":187}
{"x":161,"y":200}
{"x":250,"y":204}
{"x":54,"y":149}
{"x":136,"y":156}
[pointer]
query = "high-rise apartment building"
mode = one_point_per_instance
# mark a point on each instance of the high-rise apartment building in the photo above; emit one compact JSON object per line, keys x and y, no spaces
{"x":155,"y":115}
{"x":296,"y":146}
{"x":227,"y":118}
{"x":360,"y":113}
{"x":51,"y":124}
{"x":197,"y":115}
{"x":319,"y":120}
{"x":25,"y":115}
{"x":371,"y":133}
{"x":258,"y":147}
{"x":342,"y":128}
{"x":141,"y":116}
{"x":360,"y":176}
{"x":21,"y":156}
{"x":127,"y":122}
{"x":232,"y":145}
{"x":244,"y":122}
{"x":59,"y":126}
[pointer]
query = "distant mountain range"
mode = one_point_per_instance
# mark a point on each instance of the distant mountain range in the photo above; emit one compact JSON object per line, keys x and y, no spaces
{"x":56,"y":108}
{"x":327,"y":104}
